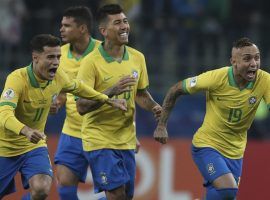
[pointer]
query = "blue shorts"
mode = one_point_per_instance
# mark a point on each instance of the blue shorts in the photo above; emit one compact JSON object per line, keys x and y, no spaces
{"x":213,"y":164}
{"x":112,"y":168}
{"x":70,"y":154}
{"x":34,"y":162}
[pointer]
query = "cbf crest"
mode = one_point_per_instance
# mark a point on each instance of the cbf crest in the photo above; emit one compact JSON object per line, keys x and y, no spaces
{"x":54,"y":97}
{"x":104,"y":179}
{"x":210,"y":168}
{"x":252,"y":100}
{"x":135,"y":74}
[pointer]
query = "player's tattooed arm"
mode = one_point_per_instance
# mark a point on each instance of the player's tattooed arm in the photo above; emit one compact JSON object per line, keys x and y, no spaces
{"x":161,"y":134}
{"x":174,"y":92}
{"x":123,"y":85}
{"x":145,"y":101}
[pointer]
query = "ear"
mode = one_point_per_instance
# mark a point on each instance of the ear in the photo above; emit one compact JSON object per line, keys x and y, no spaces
{"x":102,"y":30}
{"x":83,"y":28}
{"x":232,"y":60}
{"x":35,"y":57}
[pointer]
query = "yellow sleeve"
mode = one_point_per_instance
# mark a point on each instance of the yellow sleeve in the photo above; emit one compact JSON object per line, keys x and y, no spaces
{"x":79,"y":88}
{"x":8,"y":102}
{"x":143,"y":81}
{"x":203,"y":82}
{"x":266,"y":95}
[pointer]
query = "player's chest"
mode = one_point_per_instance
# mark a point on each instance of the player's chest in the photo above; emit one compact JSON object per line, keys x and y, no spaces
{"x":236,"y":99}
{"x":39,"y":98}
{"x":108,"y":76}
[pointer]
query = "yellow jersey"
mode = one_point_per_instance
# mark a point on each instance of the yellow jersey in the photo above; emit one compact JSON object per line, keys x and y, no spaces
{"x":229,"y":110}
{"x":26,"y":100}
{"x":73,"y":121}
{"x":106,"y":127}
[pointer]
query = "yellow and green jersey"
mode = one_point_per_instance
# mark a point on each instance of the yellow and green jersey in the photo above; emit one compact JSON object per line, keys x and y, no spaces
{"x":106,"y":127}
{"x":229,"y":110}
{"x":70,"y":64}
{"x":26,"y":100}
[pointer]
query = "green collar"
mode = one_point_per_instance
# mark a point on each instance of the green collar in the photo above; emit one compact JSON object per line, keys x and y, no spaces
{"x":107,"y":57}
{"x":232,"y":80}
{"x":33,"y":81}
{"x":90,"y":48}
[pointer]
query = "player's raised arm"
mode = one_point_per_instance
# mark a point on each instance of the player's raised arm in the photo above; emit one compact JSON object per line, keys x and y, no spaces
{"x":160,"y":134}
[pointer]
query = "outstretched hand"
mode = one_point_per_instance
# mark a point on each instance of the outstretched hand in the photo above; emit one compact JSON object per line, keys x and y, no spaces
{"x":161,"y":134}
{"x":118,"y":103}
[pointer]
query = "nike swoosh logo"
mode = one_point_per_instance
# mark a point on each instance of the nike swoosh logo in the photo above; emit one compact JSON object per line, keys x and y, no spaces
{"x":222,"y":99}
{"x":107,"y":78}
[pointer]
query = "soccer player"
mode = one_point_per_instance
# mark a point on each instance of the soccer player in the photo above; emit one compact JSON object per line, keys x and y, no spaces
{"x":24,"y":107}
{"x":71,"y":165}
{"x":70,"y":160}
{"x":108,"y":137}
{"x":233,"y":94}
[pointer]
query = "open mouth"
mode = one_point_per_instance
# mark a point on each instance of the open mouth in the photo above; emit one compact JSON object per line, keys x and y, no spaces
{"x":52,"y":71}
{"x":251,"y":73}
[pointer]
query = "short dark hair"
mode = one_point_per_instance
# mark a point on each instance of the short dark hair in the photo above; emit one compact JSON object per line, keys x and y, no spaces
{"x":242,"y":42}
{"x":81,"y":15}
{"x":109,"y":9}
{"x":38,"y":42}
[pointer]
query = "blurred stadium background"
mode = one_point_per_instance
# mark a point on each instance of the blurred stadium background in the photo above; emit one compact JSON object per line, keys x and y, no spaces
{"x":179,"y":38}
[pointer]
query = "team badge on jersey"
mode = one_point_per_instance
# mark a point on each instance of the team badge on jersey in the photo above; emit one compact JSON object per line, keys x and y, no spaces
{"x":252,"y":100}
{"x":210,"y":168}
{"x":54,"y":97}
{"x":134,"y":74}
{"x":104,"y":179}
{"x":8,"y":94}
{"x":193,"y":81}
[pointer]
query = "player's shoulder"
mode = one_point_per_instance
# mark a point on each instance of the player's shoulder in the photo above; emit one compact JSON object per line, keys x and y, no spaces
{"x":95,"y":55}
{"x":65,"y":48}
{"x":21,"y":72}
{"x":263,"y":75}
{"x":134,"y":52}
{"x":219,"y":72}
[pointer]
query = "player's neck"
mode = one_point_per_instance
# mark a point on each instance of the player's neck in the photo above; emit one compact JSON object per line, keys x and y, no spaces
{"x":79,"y":47}
{"x":115,"y":51}
{"x":240,"y":82}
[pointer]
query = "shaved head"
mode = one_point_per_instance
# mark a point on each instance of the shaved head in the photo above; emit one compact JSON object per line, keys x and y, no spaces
{"x":240,"y":44}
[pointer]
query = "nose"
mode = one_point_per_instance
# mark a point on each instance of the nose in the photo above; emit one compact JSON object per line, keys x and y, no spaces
{"x":253,"y":62}
{"x":62,"y":29}
{"x":124,"y":26}
{"x":56,"y":61}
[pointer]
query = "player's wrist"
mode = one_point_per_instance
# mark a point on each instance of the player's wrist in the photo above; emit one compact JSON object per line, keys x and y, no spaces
{"x":24,"y":131}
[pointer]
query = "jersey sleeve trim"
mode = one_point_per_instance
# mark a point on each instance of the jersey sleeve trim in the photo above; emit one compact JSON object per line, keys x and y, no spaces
{"x":184,"y":86}
{"x":268,"y":107}
{"x":142,"y":89}
{"x":14,"y":105}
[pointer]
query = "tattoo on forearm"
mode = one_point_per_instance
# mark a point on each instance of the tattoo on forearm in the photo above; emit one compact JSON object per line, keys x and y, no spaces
{"x":146,"y":100}
{"x":169,"y":103}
